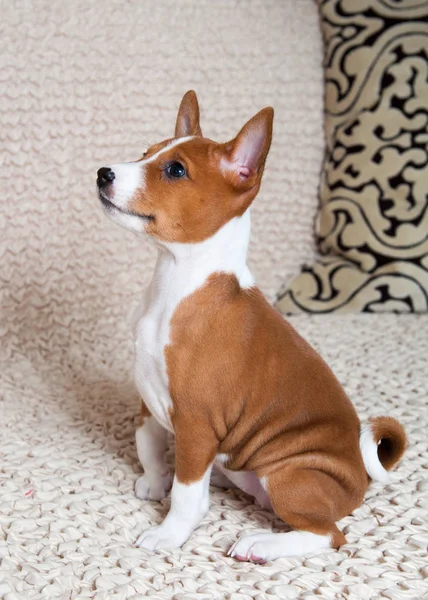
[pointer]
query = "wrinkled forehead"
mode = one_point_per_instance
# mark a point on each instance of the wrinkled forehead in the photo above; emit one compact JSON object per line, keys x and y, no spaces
{"x":186,"y":147}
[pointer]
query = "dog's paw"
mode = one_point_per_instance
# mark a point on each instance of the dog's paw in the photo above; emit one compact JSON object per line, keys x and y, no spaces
{"x":153,"y":487}
{"x":261,"y":547}
{"x":253,"y":548}
{"x":163,"y":537}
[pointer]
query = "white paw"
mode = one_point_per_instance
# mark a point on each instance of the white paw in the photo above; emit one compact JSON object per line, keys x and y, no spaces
{"x":153,"y":487}
{"x":261,"y":547}
{"x":253,"y":548}
{"x":162,"y":537}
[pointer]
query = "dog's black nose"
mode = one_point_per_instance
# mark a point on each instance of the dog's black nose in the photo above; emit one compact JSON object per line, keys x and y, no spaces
{"x":105,"y":176}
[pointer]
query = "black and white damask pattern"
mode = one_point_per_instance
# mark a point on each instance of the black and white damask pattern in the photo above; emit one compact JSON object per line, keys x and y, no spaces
{"x":373,"y":222}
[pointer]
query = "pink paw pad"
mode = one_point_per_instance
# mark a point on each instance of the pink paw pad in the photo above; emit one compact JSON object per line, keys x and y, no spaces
{"x":250,"y":558}
{"x":256,"y":559}
{"x":241,"y":558}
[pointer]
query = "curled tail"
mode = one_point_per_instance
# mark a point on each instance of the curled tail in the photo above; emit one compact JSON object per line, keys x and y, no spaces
{"x":382,"y":442}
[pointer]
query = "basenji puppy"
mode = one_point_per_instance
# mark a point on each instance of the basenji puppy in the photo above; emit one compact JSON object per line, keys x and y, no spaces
{"x":220,"y":368}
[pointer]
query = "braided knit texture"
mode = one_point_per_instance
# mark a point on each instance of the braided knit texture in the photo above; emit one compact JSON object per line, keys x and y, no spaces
{"x":69,"y":516}
{"x":85,"y":84}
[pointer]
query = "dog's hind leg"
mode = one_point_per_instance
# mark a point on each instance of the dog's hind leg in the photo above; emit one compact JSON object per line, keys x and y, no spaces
{"x":311,"y":502}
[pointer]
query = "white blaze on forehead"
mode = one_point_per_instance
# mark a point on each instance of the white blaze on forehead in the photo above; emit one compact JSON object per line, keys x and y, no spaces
{"x":169,"y":146}
{"x":130,"y":177}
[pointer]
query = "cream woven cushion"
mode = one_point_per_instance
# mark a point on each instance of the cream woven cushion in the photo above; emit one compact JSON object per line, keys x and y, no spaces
{"x":373,"y":221}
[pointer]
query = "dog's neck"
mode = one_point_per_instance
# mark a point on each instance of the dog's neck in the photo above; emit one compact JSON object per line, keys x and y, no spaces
{"x":183,"y":268}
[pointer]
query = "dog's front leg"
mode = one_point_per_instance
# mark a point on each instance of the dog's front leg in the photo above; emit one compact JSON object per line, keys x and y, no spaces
{"x":195,"y":450}
{"x":151,"y":440}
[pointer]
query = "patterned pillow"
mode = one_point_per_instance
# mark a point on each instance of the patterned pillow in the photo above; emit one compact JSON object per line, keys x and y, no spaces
{"x":373,"y":220}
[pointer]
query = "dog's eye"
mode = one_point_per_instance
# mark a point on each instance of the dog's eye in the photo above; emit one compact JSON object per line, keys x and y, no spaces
{"x":176,"y":170}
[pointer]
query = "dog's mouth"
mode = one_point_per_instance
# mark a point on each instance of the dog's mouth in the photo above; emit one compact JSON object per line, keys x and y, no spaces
{"x":110,"y":206}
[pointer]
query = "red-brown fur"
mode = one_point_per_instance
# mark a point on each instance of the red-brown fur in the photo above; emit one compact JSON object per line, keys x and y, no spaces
{"x":194,"y":208}
{"x":243,"y":382}
{"x":392,"y":440}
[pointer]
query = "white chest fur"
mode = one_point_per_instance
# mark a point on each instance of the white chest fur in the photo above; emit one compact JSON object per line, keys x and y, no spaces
{"x":180,"y":270}
{"x":151,"y":337}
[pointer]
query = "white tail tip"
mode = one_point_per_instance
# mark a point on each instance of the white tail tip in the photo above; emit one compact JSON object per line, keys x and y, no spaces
{"x":368,"y":447}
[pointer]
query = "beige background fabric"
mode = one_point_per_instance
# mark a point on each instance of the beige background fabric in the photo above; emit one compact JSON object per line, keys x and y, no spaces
{"x":87,"y":84}
{"x":82,"y":83}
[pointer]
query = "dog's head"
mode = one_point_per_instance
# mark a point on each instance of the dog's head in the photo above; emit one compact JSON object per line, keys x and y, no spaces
{"x":186,"y":188}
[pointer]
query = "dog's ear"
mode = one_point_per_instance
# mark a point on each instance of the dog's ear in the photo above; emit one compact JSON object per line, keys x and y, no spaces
{"x":188,"y":116}
{"x":246,"y":154}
